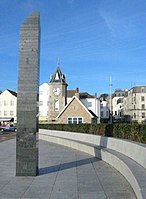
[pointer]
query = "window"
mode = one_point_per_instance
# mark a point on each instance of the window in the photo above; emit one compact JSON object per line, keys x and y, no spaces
{"x":40,"y":103}
{"x":80,"y":120}
{"x":142,"y":98}
{"x":11,"y":113}
{"x":143,"y":115}
{"x":5,"y":113}
{"x":115,"y":112}
{"x":56,"y":76}
{"x":101,"y":113}
{"x":5,"y":102}
{"x":134,"y":115}
{"x":142,"y":89}
{"x":56,"y":105}
{"x":143,"y":106}
{"x":41,"y":92}
{"x":27,"y":60}
{"x":89,"y":104}
{"x":75,"y":120}
{"x":11,"y":103}
{"x":101,"y":105}
{"x":107,"y":114}
{"x":69,"y":120}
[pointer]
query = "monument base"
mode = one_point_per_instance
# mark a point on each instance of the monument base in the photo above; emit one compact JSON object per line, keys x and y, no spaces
{"x":26,"y":161}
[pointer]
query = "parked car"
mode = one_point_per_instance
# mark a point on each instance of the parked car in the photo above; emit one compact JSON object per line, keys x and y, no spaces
{"x":9,"y":127}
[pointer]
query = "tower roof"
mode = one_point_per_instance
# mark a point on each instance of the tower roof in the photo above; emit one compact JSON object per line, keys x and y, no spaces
{"x":58,"y":77}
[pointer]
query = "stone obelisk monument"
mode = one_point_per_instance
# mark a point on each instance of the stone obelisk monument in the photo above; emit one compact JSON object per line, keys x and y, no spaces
{"x":27,"y":97}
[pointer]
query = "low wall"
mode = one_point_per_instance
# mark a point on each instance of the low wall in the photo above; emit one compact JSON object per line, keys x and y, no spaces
{"x":133,"y":150}
{"x":127,"y":157}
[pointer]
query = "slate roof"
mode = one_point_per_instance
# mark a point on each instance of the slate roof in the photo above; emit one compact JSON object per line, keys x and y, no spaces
{"x":13,"y":92}
{"x":58,"y":77}
{"x":71,"y":93}
{"x":138,"y":89}
{"x":85,"y":95}
{"x":94,"y":115}
{"x":82,"y":95}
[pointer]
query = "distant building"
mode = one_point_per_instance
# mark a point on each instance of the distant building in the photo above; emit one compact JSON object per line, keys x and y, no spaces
{"x":104,"y":111}
{"x":117,"y":107}
{"x":135,"y":104}
{"x":119,"y":93}
{"x":58,"y":97}
{"x":91,"y":102}
{"x":8,"y":106}
{"x":43,"y":102}
{"x":76,"y":113}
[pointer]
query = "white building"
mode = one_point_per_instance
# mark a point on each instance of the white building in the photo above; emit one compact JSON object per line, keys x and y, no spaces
{"x":8,"y":106}
{"x":117,"y":106}
{"x":104,"y":111}
{"x":43,"y":102}
{"x":91,"y":102}
{"x":135,"y":104}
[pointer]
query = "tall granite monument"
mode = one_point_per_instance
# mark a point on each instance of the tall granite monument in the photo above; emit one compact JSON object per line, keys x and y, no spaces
{"x":27,"y":98}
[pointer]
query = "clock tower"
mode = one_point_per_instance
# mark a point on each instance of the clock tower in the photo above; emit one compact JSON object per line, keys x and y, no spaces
{"x":57,"y":95}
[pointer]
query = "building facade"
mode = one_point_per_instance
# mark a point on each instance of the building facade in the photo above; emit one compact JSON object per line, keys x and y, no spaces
{"x":135,"y":104}
{"x":57,"y":95}
{"x":43,"y":102}
{"x":76,"y":113}
{"x":8,"y":106}
{"x":117,"y":105}
{"x":104,"y":111}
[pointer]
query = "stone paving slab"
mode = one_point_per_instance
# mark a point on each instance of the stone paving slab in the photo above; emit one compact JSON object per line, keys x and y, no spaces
{"x":64,"y":174}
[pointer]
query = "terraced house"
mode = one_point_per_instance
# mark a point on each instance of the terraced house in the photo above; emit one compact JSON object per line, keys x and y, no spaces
{"x":135,"y":104}
{"x":8,"y":106}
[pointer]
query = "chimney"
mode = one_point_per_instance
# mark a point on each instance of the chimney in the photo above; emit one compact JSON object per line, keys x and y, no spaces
{"x":77,"y":93}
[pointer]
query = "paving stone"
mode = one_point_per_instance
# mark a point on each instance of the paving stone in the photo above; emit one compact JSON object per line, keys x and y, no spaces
{"x":75,"y":175}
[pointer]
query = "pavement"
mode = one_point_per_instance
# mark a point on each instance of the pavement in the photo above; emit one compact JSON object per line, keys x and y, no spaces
{"x":64,"y":173}
{"x":7,"y":135}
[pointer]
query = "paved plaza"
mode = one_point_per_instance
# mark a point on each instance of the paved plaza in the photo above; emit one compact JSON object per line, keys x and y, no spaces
{"x":64,"y":174}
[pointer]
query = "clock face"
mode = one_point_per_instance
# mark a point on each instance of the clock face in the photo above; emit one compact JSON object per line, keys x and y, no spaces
{"x":56,"y":91}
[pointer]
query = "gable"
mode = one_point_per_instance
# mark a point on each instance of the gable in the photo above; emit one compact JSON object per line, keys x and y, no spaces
{"x":7,"y":94}
{"x":75,"y":108}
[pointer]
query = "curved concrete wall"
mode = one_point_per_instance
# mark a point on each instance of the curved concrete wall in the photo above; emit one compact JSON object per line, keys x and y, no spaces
{"x":125,"y":156}
{"x":133,"y":150}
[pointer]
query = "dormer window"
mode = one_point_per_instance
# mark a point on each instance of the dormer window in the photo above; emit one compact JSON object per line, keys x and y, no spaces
{"x":56,"y":76}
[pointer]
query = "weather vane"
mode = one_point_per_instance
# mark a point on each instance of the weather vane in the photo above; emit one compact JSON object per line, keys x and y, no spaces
{"x":58,"y":61}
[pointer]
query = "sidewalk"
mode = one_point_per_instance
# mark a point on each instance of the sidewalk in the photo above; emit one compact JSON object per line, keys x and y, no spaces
{"x":64,"y":174}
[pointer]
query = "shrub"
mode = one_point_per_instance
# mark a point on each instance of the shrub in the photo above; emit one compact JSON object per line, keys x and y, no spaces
{"x":135,"y":132}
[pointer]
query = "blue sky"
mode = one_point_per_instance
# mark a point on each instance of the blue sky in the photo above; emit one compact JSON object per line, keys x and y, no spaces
{"x":94,"y":39}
